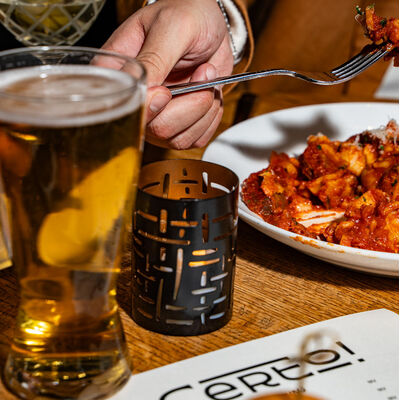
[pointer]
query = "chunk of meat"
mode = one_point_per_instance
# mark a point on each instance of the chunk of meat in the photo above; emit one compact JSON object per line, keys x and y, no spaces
{"x":334,"y":189}
{"x":381,"y":30}
{"x":342,"y":192}
{"x":372,"y":222}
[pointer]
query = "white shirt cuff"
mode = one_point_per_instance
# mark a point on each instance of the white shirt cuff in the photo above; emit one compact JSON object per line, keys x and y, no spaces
{"x":237,"y":28}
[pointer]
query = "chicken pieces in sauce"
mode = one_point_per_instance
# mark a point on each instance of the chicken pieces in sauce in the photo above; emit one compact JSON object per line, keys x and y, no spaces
{"x":341,"y":192}
{"x":381,"y":30}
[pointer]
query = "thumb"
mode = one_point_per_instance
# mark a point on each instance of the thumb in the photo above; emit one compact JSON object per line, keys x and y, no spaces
{"x":164,"y":45}
{"x":156,"y":42}
{"x":128,"y":38}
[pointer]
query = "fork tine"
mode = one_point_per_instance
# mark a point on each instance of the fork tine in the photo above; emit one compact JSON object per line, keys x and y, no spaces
{"x":367,"y":56}
{"x":360,"y":66}
{"x":359,"y":63}
{"x":350,"y":62}
{"x":364,"y":59}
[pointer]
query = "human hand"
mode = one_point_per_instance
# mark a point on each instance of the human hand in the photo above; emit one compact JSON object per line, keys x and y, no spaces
{"x":178,"y":41}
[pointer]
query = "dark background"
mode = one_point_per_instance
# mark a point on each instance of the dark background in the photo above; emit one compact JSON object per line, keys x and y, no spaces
{"x":106,"y":23}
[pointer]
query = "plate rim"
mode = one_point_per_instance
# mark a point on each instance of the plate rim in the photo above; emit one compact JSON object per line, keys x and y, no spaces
{"x":316,"y":105}
{"x":247,"y":215}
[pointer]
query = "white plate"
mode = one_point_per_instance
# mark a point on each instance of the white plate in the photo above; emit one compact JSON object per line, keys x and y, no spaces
{"x":246,"y":147}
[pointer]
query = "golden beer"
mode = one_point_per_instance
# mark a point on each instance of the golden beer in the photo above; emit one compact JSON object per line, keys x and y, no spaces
{"x":70,"y":158}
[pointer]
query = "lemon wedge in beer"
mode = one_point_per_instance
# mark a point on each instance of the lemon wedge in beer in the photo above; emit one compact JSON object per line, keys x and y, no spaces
{"x":76,"y":236}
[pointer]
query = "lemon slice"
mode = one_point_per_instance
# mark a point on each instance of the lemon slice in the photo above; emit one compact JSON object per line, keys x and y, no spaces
{"x":75,"y":235}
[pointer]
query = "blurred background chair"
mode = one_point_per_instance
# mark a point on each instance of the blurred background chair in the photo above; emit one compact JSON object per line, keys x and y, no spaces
{"x":312,"y":35}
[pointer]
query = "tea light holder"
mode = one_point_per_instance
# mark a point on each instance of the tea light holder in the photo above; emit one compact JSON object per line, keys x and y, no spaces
{"x":184,"y":236}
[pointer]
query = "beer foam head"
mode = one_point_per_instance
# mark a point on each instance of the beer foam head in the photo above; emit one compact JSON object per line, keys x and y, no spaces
{"x":67,"y":95}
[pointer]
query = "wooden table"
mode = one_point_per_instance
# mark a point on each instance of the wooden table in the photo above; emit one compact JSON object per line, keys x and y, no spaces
{"x":276,"y":288}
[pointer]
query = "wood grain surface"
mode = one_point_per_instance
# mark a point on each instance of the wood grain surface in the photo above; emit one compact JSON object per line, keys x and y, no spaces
{"x":276,"y":289}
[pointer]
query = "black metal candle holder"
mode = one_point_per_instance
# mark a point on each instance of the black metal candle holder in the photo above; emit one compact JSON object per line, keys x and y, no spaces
{"x":184,"y":231}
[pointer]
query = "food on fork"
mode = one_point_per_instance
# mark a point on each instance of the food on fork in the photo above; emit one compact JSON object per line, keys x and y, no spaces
{"x":381,"y":30}
{"x":341,"y":192}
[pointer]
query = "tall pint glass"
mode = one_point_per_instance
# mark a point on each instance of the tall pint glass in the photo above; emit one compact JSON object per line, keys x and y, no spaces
{"x":71,"y":135}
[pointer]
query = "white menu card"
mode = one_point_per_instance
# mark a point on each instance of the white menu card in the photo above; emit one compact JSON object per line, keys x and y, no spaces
{"x":361,"y":362}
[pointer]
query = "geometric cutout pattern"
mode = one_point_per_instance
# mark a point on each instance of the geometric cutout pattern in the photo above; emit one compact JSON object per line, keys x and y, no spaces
{"x":184,"y":231}
{"x":49,"y":23}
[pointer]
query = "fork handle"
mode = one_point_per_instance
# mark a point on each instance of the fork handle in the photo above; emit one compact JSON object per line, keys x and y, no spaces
{"x":246,"y":76}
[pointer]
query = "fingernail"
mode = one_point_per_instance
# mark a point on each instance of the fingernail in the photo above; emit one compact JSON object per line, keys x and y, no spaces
{"x":211,"y":73}
{"x":158,"y":102}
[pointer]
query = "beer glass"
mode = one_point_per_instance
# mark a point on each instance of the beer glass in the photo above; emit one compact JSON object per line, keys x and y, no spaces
{"x":71,"y":135}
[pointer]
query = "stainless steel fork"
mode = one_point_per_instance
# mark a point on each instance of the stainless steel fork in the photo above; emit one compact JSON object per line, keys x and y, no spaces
{"x":369,"y":55}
